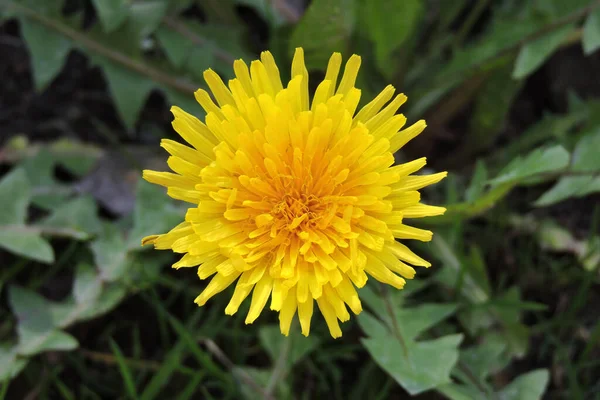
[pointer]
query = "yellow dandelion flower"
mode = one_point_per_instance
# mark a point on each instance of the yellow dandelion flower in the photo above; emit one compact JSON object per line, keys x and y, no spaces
{"x":296,"y":200}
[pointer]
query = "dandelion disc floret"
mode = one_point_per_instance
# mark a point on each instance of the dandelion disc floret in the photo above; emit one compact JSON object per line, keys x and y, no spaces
{"x":294,"y":201}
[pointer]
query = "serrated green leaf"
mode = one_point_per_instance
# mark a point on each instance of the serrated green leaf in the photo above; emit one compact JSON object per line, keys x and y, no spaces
{"x":593,"y":187}
{"x":10,"y":364}
{"x":268,"y":10}
{"x":535,"y":53}
{"x":31,"y":343}
{"x":585,"y":155}
{"x":416,"y":320}
{"x":129,"y":89}
{"x":87,"y":285}
{"x":78,"y":215}
{"x":48,"y":193}
{"x":484,"y":359}
{"x":151,"y":201}
{"x":198,"y":61}
{"x":591,"y":33}
{"x":70,"y":311}
{"x":47,"y":50}
{"x":455,"y":391}
{"x":274,"y":342}
{"x":111,"y":296}
{"x":478,"y":182}
{"x":529,"y":386}
{"x":176,"y":49}
{"x":389,"y":25}
{"x":15,"y":194}
{"x":566,"y":187}
{"x":112,"y":13}
{"x":26,"y":242}
{"x":539,"y":161}
{"x":325,"y":28}
{"x":428,"y":364}
{"x":36,"y":327}
{"x":146,"y":16}
{"x":502,"y":34}
{"x":31,"y":309}
{"x":110,"y":253}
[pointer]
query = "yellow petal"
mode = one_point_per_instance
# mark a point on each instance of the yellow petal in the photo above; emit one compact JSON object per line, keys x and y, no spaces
{"x":217,"y":284}
{"x":305,"y":312}
{"x":288,"y":310}
{"x":261,"y":294}
{"x":330,"y":318}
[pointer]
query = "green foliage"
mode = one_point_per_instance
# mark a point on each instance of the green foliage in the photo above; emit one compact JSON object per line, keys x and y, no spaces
{"x":389,"y":27}
{"x":325,"y":28}
{"x":591,"y":33}
{"x":457,"y":329}
{"x":533,"y":54}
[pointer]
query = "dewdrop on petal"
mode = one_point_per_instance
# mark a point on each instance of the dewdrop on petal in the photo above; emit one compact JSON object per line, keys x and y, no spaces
{"x":295,"y":201}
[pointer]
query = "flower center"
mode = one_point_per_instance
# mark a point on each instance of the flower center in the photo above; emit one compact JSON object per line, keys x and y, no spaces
{"x":298,"y":209}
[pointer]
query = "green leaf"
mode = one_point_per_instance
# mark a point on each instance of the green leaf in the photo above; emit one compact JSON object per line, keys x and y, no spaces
{"x":112,"y":13}
{"x":32,"y":343}
{"x":110,"y":253}
{"x":47,"y":50}
{"x":389,"y":25}
{"x":484,"y":359}
{"x":36,"y":327}
{"x":24,"y":241}
{"x":274,"y":343}
{"x":87,"y":285}
{"x":566,"y":187}
{"x":542,"y":160}
{"x":70,"y":311}
{"x":31,"y":309}
{"x":129,"y":90}
{"x":530,"y":386}
{"x":268,"y":10}
{"x":109,"y":298}
{"x":591,"y":33}
{"x":585,"y":155}
{"x":146,"y":16}
{"x":416,"y":320}
{"x":476,"y":267}
{"x":261,"y":376}
{"x":428,"y":365}
{"x":455,"y":391}
{"x":478,"y":182}
{"x":47,"y":193}
{"x":15,"y":194}
{"x":325,"y":28}
{"x":152,"y":202}
{"x":535,"y":53}
{"x":78,"y":215}
{"x":10,"y":364}
{"x":492,"y":105}
{"x":176,"y":49}
{"x":503,"y":34}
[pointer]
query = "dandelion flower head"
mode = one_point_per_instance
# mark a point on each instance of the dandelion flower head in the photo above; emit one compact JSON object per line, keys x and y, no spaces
{"x":294,"y":200}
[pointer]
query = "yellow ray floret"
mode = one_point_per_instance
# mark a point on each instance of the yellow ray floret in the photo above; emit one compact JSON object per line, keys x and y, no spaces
{"x":295,"y":200}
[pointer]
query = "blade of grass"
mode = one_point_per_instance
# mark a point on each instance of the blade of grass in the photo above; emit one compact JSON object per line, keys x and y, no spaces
{"x":65,"y":392}
{"x":172,"y":361}
{"x":198,"y":353}
{"x":191,"y":387}
{"x":5,"y":384}
{"x":125,"y":371}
